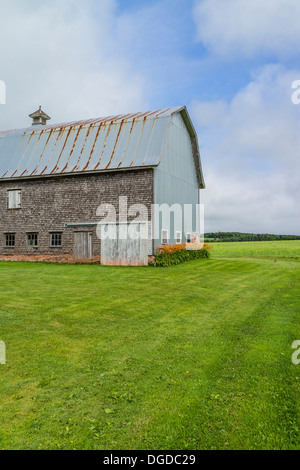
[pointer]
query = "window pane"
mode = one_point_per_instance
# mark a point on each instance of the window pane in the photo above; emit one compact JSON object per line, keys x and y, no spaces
{"x":10,"y":239}
{"x":32,"y":239}
{"x":14,"y":199}
{"x":164,"y":237}
{"x":56,"y":239}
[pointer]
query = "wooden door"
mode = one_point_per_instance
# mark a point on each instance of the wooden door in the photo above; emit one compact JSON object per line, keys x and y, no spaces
{"x":83,"y":245}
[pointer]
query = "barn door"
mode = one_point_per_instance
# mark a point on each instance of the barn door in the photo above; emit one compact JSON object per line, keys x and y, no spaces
{"x":83,"y":246}
{"x":121,"y":249}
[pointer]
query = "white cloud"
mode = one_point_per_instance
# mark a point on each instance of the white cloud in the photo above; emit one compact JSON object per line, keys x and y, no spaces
{"x":65,"y":57}
{"x":250,"y":151}
{"x":235,"y":28}
{"x":86,"y":59}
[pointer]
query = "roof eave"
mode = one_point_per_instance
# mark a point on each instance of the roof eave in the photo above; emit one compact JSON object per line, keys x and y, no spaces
{"x":76,"y":173}
{"x":195,"y":145}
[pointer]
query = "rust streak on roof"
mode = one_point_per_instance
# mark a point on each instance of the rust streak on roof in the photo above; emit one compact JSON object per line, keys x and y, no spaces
{"x":82,"y":149}
{"x":141,"y":133}
{"x":130,"y":132}
{"x":49,"y":136}
{"x":153,"y":124}
{"x":116,"y":142}
{"x":29,"y":140}
{"x":93,"y":147}
{"x":72,"y":150}
{"x":104,"y":145}
{"x":64,"y":145}
{"x":41,"y":133}
{"x":25,"y":171}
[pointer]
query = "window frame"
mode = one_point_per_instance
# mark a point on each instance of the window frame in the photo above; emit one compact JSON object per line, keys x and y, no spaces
{"x":32,"y":234}
{"x":56,"y":234}
{"x":178,"y":238}
{"x":188,"y":237}
{"x":8,"y":241}
{"x":164,"y":238}
{"x":18,"y":199}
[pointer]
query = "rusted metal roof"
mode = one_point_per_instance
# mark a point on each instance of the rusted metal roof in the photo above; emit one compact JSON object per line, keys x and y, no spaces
{"x":104,"y":144}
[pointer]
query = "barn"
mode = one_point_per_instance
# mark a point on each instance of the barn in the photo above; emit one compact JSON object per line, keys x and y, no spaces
{"x":64,"y":187}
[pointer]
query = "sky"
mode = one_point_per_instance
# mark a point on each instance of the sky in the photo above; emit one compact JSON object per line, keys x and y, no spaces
{"x":231,"y":63}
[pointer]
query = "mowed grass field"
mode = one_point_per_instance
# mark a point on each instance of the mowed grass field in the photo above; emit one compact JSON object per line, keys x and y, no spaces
{"x":272,"y":249}
{"x":196,"y":356}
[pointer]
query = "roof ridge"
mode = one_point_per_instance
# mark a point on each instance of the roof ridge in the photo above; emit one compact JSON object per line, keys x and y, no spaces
{"x":103,"y":120}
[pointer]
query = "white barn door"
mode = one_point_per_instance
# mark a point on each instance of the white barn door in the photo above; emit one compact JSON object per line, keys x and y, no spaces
{"x":124,"y":244}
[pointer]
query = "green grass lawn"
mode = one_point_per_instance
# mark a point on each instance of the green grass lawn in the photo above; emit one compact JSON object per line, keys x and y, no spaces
{"x":195,"y":356}
{"x":272,"y":249}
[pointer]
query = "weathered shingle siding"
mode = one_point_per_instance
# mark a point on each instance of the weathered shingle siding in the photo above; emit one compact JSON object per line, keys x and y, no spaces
{"x":48,"y":203}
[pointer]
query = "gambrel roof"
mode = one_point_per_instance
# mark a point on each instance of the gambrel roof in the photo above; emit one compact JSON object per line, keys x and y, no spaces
{"x":111,"y":143}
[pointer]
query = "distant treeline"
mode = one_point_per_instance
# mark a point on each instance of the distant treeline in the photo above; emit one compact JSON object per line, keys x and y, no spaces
{"x":245,"y":237}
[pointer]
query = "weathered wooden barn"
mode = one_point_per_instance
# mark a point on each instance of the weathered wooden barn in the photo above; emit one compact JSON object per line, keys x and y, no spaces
{"x":53,"y":178}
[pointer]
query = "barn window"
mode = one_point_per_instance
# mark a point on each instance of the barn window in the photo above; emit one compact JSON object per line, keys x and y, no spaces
{"x":10,"y":239}
{"x":14,"y":199}
{"x":188,"y":238}
{"x":32,"y":239}
{"x":178,"y":238}
{"x":56,"y":239}
{"x":164,"y":237}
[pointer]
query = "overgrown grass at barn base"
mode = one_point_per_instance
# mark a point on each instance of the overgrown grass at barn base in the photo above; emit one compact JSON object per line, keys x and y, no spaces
{"x":197,"y":356}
